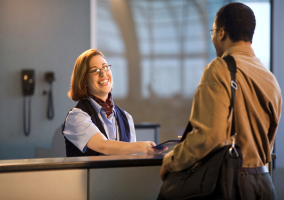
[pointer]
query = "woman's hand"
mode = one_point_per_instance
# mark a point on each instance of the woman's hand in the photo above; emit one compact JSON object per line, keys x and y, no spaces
{"x":146,"y":147}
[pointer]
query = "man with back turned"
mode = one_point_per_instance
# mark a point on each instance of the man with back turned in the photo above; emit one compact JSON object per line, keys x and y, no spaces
{"x":257,"y":106}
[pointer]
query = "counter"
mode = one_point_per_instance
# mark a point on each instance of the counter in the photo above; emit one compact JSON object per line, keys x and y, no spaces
{"x":95,"y":177}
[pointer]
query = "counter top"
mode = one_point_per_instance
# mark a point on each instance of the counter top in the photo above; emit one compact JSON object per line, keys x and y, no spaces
{"x":81,"y":162}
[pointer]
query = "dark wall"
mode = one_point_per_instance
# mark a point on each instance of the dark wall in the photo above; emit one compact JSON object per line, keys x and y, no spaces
{"x":44,"y":35}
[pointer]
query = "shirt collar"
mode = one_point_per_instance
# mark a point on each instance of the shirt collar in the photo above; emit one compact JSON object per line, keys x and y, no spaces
{"x":240,"y":49}
{"x":97,"y":106}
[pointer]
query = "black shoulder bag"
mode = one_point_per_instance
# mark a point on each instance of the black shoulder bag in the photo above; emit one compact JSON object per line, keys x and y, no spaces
{"x":216,"y":176}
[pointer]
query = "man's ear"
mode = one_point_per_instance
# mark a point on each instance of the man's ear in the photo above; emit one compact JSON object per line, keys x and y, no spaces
{"x":223,"y":34}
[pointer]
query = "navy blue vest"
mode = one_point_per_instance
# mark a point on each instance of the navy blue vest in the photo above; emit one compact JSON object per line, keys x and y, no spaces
{"x":86,"y":106}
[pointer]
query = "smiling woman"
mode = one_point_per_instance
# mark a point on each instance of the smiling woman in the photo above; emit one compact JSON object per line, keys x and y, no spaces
{"x":96,"y":126}
{"x":99,"y":80}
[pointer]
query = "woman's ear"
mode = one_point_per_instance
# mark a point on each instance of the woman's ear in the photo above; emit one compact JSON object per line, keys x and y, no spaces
{"x":86,"y":86}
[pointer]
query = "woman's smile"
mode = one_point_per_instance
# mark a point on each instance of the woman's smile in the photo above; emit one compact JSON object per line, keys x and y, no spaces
{"x":99,"y":84}
{"x":104,"y":82}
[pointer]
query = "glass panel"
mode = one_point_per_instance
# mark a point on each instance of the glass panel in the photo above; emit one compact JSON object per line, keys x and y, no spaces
{"x":261,"y":37}
{"x":175,"y":30}
{"x":120,"y":76}
{"x":172,"y":33}
{"x":111,"y":44}
{"x":192,"y":74}
{"x":158,"y":65}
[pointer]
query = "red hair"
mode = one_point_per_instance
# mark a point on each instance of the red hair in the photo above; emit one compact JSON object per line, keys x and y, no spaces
{"x":78,"y":89}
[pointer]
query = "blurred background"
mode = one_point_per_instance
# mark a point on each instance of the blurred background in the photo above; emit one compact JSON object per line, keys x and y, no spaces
{"x":158,"y":50}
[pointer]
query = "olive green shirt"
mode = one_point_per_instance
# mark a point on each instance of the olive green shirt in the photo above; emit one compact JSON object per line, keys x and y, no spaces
{"x":257,"y":112}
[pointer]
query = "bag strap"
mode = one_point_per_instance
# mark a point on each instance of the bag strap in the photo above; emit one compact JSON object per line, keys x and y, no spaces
{"x":231,"y":63}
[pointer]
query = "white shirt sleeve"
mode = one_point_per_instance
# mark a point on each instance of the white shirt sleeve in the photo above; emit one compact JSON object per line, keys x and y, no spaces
{"x":79,"y":128}
{"x":131,"y":127}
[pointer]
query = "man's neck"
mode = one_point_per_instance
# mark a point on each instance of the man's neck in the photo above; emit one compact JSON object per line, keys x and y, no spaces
{"x":230,"y":44}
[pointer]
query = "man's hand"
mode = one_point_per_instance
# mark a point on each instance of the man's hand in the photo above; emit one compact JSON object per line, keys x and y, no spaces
{"x":163,"y":172}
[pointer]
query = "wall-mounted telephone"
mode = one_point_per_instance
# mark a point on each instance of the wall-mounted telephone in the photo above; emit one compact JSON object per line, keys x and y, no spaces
{"x":28,"y":86}
{"x":49,"y":77}
{"x":28,"y":82}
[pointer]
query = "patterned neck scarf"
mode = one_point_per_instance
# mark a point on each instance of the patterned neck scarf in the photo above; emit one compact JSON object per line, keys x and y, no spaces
{"x":107,"y":106}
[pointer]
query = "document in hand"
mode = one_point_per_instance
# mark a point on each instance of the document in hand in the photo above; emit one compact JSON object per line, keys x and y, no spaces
{"x":166,"y":144}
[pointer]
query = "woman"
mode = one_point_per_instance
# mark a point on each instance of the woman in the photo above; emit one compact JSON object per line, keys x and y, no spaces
{"x":96,"y":126}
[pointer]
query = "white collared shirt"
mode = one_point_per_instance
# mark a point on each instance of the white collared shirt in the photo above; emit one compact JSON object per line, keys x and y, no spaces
{"x":79,"y":127}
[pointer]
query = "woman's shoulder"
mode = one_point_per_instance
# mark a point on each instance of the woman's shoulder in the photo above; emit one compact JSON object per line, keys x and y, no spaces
{"x":77,"y":114}
{"x":120,"y":110}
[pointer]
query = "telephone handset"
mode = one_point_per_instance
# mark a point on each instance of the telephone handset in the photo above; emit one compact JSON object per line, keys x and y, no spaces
{"x":49,"y":77}
{"x":28,"y":86}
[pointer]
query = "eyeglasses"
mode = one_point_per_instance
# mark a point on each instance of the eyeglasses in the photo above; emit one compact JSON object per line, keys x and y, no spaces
{"x":98,"y":71}
{"x":211,"y":31}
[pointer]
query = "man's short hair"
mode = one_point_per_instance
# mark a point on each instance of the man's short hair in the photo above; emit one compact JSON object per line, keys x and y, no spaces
{"x":78,"y":89}
{"x":238,"y":21}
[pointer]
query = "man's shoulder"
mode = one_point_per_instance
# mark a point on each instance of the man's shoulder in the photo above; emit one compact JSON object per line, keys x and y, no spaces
{"x":217,"y":65}
{"x":216,"y":72}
